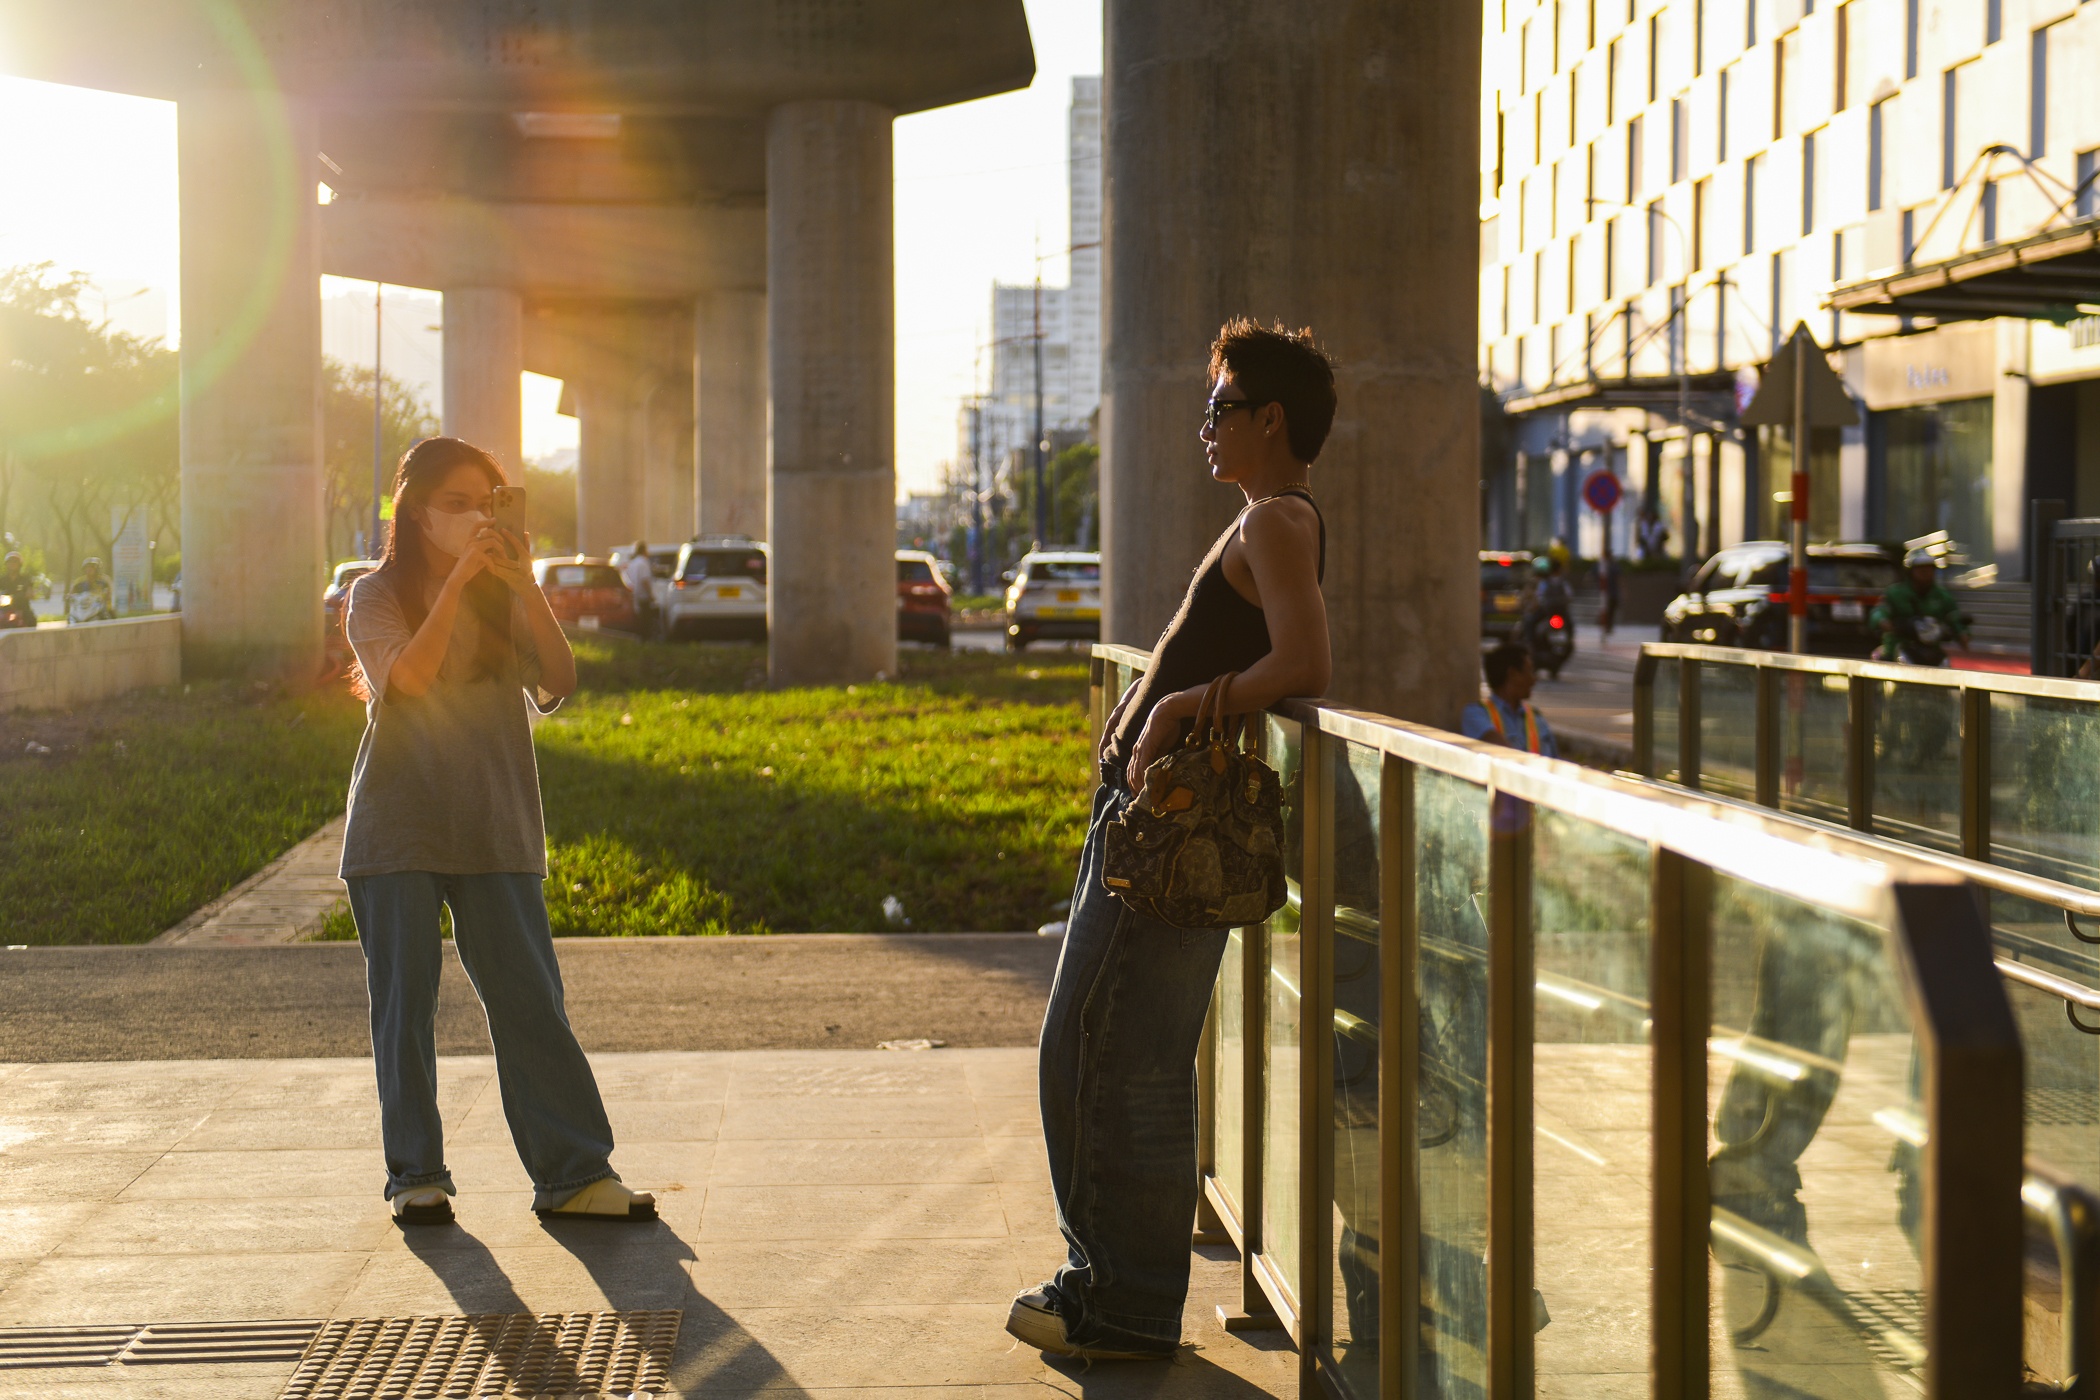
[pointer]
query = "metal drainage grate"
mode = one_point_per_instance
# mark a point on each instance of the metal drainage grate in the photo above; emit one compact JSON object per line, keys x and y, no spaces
{"x":438,"y":1358}
{"x":2062,"y":1108}
{"x":158,"y":1344}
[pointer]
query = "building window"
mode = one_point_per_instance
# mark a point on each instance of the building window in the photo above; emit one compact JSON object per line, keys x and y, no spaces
{"x":1701,"y":192}
{"x":1721,"y":115}
{"x":1751,"y":169}
{"x":1993,"y":21}
{"x":1538,"y":282}
{"x":1553,"y":354}
{"x":1589,"y":33}
{"x":2088,"y":167}
{"x":1556,"y":35}
{"x":1655,"y":242}
{"x":1505,"y":299}
{"x":1910,"y":235}
{"x":1781,"y":52}
{"x":2038,"y":96}
{"x":1553,"y":203}
{"x":1633,"y":160}
{"x":1524,"y":57}
{"x":1589,"y":336}
{"x":1808,"y":184}
{"x":1935,"y":471}
{"x":1778,"y":316}
{"x":1677,"y":318}
{"x":1910,"y":37}
{"x":1680,"y":139}
{"x":1589,"y":182}
{"x":1611,"y":81}
{"x":1501,"y":147}
{"x":1950,"y":94}
{"x":1750,"y":24}
{"x":1654,"y":54}
{"x":1611,"y":258}
{"x":1841,"y":23}
{"x":1538,"y":125}
{"x":1574,"y":250}
{"x":1988,"y":206}
{"x":1698,"y":37}
{"x":1876,"y":119}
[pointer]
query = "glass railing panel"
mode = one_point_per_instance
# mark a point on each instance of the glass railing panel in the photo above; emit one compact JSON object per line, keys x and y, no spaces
{"x":1917,"y":764}
{"x":1228,"y":1140}
{"x":1355,"y":773}
{"x":1665,"y":720}
{"x":1728,"y":730}
{"x":2062,"y":1109}
{"x":1450,"y":1148}
{"x":1591,"y":1108}
{"x":2045,"y":787}
{"x":1281,"y":1197}
{"x":1815,"y":727}
{"x":1814,"y":1136}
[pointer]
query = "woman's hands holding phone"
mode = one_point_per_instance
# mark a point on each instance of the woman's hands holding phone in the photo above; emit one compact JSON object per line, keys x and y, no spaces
{"x":500,"y":553}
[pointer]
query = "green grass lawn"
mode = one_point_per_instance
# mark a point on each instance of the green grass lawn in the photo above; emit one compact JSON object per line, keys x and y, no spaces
{"x":681,"y":797}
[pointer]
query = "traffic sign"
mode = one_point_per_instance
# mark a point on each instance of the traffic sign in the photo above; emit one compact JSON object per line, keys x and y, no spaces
{"x":1601,"y":489}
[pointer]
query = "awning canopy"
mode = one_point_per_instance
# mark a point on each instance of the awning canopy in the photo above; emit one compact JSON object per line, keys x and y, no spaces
{"x":1707,"y":400}
{"x":2045,"y":276}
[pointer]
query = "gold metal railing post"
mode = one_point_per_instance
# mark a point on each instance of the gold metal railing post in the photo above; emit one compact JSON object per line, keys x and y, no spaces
{"x":1766,"y":752}
{"x":1688,"y":723}
{"x":1399,"y":1087}
{"x":1644,"y":715}
{"x":1859,"y":753}
{"x":1316,"y":1057}
{"x":1681,"y":907}
{"x":1510,"y":1318}
{"x":1975,"y":773}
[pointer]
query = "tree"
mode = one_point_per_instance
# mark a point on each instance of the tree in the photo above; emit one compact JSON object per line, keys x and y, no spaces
{"x":346,"y":430}
{"x":87,"y":421}
{"x":1072,"y":480}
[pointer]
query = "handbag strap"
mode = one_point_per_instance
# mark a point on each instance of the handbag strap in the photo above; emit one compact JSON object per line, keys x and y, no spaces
{"x":1209,"y":711}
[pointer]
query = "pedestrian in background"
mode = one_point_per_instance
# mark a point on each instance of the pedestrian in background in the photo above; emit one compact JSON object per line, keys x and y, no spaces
{"x":454,"y":641}
{"x":641,"y":581}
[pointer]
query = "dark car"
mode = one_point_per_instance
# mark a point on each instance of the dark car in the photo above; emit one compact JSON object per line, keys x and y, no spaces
{"x":922,"y":598}
{"x":1504,"y":575}
{"x":334,"y":599}
{"x":1739,"y":598}
{"x":590,"y":593}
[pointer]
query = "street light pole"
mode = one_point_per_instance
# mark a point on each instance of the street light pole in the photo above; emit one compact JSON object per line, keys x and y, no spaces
{"x":372,"y":545}
{"x":1797,"y":582}
{"x":977,"y":496}
{"x":1042,"y":532}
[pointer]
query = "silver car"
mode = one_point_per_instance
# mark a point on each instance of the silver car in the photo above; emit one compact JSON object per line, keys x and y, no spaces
{"x":717,"y":588}
{"x":1055,"y":594}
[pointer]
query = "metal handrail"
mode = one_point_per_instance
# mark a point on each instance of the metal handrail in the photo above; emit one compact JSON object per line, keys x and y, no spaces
{"x":1995,"y":682}
{"x":2071,"y":1215}
{"x":1466,"y":1069}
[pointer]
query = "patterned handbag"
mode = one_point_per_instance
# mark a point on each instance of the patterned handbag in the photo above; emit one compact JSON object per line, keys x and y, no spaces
{"x":1202,"y":845}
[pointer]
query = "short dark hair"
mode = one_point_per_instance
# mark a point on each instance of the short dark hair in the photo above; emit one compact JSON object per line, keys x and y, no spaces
{"x":1274,"y":365}
{"x":1501,"y":661}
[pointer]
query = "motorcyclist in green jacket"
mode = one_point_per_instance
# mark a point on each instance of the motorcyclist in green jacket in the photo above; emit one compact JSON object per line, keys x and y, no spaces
{"x":1918,"y":594}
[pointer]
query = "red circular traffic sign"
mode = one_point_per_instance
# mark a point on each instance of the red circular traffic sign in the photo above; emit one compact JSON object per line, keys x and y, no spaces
{"x":1602,"y":490}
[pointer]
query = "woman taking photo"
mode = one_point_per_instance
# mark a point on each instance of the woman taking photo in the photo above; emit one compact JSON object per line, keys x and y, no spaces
{"x":453,"y":640}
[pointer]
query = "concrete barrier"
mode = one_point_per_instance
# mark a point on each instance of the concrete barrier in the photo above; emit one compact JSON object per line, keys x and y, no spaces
{"x":52,"y":668}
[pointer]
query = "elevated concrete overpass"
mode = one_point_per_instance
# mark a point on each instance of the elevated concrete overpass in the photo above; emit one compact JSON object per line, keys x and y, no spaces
{"x":685,"y":211}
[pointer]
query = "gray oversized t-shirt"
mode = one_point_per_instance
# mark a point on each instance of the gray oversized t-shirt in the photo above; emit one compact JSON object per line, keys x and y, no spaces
{"x":444,"y":781}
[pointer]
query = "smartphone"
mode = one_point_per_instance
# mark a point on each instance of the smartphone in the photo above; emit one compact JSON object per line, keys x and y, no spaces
{"x":510,"y":517}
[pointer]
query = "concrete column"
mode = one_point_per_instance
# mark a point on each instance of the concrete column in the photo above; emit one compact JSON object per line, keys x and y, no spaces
{"x":730,"y":389}
{"x":664,"y":435}
{"x":608,"y":494}
{"x":484,"y":355}
{"x":831,"y":337}
{"x":1317,"y":165}
{"x":253,"y":542}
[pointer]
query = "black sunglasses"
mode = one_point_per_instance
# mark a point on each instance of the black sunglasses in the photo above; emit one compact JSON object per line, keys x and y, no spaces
{"x":1216,"y":409}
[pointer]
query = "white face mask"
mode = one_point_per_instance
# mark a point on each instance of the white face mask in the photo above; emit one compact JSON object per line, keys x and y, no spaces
{"x":453,"y":533}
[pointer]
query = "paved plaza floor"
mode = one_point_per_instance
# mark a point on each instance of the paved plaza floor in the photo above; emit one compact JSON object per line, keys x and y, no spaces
{"x":837,"y":1222}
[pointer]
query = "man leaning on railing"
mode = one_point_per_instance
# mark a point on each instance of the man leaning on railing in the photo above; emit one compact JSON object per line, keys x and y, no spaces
{"x":1127,"y":1007}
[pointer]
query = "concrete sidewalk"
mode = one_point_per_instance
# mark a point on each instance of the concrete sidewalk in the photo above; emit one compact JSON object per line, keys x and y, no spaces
{"x":834,"y":1222}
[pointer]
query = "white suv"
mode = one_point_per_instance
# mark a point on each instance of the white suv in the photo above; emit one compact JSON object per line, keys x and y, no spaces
{"x":716,"y":589}
{"x":1054,"y":594}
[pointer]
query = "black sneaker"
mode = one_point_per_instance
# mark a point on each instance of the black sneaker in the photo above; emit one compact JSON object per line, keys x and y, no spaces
{"x":1035,"y":1319}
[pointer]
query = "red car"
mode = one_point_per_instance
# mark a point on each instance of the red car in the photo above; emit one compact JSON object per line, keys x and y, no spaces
{"x":587,"y":592}
{"x":922,"y":598}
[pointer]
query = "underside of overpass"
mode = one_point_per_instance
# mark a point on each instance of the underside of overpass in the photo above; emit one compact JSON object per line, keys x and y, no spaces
{"x":598,"y":192}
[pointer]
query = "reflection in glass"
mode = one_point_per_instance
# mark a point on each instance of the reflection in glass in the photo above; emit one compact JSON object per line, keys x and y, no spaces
{"x":1917,"y":765}
{"x":1815,"y":1131}
{"x":1356,"y":775}
{"x":1451,"y":988}
{"x":1728,"y":730}
{"x":1280,"y":1191}
{"x":1665,"y":713}
{"x":1815,"y":725}
{"x":2045,"y":788}
{"x":1228,"y":1076}
{"x":1591,"y":1109}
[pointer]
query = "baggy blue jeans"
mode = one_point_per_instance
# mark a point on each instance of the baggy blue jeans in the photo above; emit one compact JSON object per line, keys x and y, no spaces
{"x":499,"y":925}
{"x":1118,"y":1083}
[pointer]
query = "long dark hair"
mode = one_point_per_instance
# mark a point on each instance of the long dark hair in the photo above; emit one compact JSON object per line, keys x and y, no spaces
{"x":403,"y":568}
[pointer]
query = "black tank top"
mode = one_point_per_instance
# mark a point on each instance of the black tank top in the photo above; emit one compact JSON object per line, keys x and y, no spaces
{"x":1215,"y":631}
